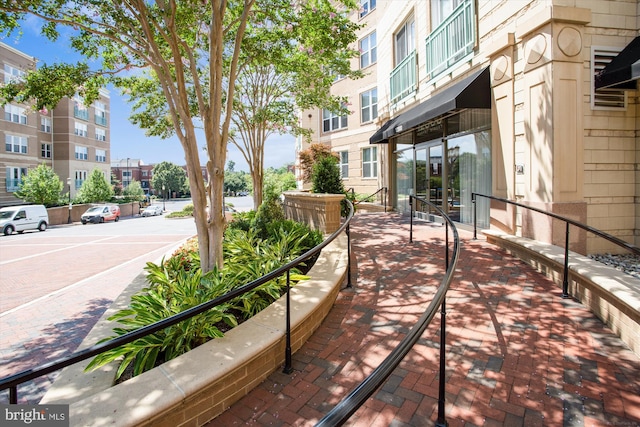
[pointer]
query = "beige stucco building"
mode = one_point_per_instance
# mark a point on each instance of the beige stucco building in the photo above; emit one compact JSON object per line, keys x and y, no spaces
{"x":499,"y":98}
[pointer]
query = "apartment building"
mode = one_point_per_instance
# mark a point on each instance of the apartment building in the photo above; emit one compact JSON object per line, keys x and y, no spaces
{"x":73,"y":138}
{"x":533,"y":101}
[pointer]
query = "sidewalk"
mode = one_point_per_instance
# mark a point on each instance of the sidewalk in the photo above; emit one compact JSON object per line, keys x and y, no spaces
{"x":517,"y":353}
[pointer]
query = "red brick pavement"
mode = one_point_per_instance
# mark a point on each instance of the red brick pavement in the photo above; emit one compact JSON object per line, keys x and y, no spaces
{"x":517,"y":353}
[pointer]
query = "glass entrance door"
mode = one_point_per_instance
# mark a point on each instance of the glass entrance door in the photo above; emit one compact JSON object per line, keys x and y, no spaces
{"x":429,"y":174}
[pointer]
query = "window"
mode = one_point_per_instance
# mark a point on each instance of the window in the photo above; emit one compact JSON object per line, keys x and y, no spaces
{"x":101,"y":113}
{"x":15,"y":114}
{"x":441,"y":9}
{"x":82,"y":153}
{"x":369,"y":105}
{"x":45,"y":150}
{"x":16,"y":144}
{"x":126,"y":178}
{"x":368,"y":50}
{"x":14,"y":178}
{"x":404,"y":40}
{"x":605,"y":99}
{"x":344,"y":164}
{"x":81,"y":177}
{"x":144,"y":173}
{"x":366,"y":6}
{"x":370,"y":162}
{"x":45,"y":124}
{"x":81,"y":129}
{"x":331,"y":121}
{"x":12,"y":74}
{"x":80,"y":110}
{"x":101,"y":156}
{"x":101,"y":134}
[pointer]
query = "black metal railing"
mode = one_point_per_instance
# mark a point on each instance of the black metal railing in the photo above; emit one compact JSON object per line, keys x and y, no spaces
{"x":13,"y":381}
{"x":350,"y":404}
{"x":383,"y":196}
{"x":567,"y":221}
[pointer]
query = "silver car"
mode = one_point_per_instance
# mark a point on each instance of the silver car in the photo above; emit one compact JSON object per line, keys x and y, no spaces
{"x":152,"y":210}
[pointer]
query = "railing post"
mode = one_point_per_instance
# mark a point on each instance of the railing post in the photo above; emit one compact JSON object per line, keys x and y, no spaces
{"x":411,"y":220}
{"x":385,"y":198}
{"x":475,"y":218}
{"x":13,"y":394}
{"x":565,"y":278}
{"x":441,"y":421}
{"x":288,"y":368}
{"x":348,"y":255}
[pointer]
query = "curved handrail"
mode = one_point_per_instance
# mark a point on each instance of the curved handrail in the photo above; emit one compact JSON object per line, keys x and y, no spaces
{"x":357,"y":202}
{"x":14,"y":380}
{"x":347,"y":406}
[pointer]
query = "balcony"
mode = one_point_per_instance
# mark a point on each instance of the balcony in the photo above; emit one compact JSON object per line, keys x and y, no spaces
{"x":452,"y":40}
{"x":13,"y":185}
{"x":80,"y":113}
{"x":100,"y":120}
{"x":403,"y":81}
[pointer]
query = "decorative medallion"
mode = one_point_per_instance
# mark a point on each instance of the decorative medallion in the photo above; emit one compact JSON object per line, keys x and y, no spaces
{"x":569,"y":41}
{"x":535,"y":48}
{"x":499,"y":67}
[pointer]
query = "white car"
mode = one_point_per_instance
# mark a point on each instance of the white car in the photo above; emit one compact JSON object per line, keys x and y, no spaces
{"x":152,"y":210}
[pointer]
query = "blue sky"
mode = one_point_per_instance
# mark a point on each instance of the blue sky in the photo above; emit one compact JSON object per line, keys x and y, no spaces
{"x":127,"y":140}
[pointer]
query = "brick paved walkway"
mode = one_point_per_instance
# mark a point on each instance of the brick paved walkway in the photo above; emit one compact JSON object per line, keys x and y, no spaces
{"x":517,"y":353}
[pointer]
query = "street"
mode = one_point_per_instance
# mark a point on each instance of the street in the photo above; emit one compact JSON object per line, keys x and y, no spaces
{"x":56,"y":284}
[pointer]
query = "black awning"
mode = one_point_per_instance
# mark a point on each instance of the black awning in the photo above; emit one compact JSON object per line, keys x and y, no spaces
{"x":623,"y":71}
{"x":378,"y":137}
{"x":473,"y":91}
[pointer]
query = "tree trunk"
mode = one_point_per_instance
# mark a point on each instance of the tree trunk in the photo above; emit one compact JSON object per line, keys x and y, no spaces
{"x":257,"y":180}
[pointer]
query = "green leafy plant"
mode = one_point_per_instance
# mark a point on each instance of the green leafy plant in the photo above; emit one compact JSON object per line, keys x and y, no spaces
{"x":41,"y":186}
{"x":177,"y":284}
{"x":171,"y":292}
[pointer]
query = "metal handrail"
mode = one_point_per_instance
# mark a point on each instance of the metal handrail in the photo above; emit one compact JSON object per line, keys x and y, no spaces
{"x":568,"y":221}
{"x":347,"y":406}
{"x":13,"y":381}
{"x":357,"y":202}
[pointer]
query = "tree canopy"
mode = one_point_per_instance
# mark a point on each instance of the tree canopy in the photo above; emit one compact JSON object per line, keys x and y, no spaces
{"x":178,"y":62}
{"x":40,"y":186}
{"x":169,"y":176}
{"x":95,"y":189}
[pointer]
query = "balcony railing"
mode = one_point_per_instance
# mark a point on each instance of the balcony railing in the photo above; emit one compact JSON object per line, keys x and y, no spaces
{"x":100,"y":120}
{"x":80,"y":113}
{"x":404,"y":78}
{"x":13,"y":185}
{"x":452,"y":40}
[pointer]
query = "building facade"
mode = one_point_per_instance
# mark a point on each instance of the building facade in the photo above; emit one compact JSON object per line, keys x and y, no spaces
{"x":72,"y":138}
{"x":511,"y":99}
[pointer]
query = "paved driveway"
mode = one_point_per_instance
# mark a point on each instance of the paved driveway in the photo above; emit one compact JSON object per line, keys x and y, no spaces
{"x":55,"y":285}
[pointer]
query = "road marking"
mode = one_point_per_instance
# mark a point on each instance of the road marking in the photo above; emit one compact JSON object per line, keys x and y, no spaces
{"x":73,"y":285}
{"x":56,"y":250}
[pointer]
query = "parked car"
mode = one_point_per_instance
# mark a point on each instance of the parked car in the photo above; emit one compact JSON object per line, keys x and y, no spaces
{"x":102,"y":213}
{"x":21,"y":218}
{"x":151,"y":210}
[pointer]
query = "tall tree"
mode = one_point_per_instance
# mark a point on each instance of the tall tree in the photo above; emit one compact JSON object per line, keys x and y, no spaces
{"x":184,"y":59}
{"x":41,"y":186}
{"x":168,"y":176}
{"x":95,"y":189}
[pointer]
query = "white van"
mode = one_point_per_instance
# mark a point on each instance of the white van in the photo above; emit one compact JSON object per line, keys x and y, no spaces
{"x":21,"y":218}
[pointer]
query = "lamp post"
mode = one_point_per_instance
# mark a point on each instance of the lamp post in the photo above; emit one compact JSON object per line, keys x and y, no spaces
{"x":163,"y":198}
{"x":69,"y":184}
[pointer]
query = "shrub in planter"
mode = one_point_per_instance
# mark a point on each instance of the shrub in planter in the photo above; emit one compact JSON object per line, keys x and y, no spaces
{"x":178,"y":284}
